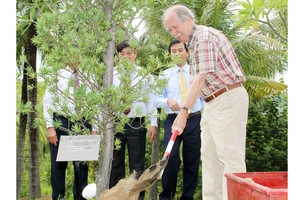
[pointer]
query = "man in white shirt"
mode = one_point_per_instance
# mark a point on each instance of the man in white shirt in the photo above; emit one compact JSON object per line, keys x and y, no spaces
{"x":134,"y":131}
{"x":171,"y":100}
{"x":58,"y":107}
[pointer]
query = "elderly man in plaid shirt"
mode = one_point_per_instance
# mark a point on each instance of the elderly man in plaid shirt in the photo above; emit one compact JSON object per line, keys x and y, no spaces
{"x":218,"y":77}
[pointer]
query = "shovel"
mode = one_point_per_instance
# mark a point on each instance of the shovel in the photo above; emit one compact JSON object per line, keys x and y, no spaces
{"x":130,"y":188}
{"x":155,"y":171}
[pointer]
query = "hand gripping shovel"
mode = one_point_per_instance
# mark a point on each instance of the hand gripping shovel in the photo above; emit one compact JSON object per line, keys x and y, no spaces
{"x":155,"y":171}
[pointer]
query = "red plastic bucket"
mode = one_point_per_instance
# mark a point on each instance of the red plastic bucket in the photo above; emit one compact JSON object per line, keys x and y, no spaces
{"x":257,"y":186}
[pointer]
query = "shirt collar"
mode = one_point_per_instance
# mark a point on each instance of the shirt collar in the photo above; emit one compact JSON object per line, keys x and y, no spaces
{"x":189,"y":43}
{"x":69,"y":69}
{"x":184,"y":67}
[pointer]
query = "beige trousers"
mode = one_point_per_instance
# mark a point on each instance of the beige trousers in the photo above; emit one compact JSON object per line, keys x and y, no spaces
{"x":223,"y":139}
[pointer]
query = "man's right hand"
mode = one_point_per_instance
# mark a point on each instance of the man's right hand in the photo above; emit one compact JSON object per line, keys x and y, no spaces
{"x":180,"y":121}
{"x":51,"y":136}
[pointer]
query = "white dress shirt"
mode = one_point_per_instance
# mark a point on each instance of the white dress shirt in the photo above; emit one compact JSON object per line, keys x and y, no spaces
{"x":58,"y":102}
{"x":139,"y":108}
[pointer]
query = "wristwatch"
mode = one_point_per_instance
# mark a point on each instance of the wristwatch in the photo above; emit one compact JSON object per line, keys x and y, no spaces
{"x":187,"y":109}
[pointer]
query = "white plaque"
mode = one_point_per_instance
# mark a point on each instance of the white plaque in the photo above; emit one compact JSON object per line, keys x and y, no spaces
{"x":78,"y":148}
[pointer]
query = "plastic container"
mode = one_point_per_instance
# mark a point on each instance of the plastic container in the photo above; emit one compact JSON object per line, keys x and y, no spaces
{"x":257,"y":186}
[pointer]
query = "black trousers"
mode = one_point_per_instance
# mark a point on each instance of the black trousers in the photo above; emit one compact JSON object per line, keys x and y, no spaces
{"x":191,"y":159}
{"x":135,"y":138}
{"x":58,"y":169}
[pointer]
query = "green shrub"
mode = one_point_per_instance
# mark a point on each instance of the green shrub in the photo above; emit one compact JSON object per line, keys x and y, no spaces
{"x":266,"y":147}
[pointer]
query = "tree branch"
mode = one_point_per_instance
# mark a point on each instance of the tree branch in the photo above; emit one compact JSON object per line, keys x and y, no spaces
{"x":283,"y":20}
{"x":270,"y":25}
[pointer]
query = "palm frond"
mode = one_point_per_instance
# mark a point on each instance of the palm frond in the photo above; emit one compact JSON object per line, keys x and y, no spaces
{"x":259,"y":87}
{"x":217,"y":14}
{"x":260,"y":55}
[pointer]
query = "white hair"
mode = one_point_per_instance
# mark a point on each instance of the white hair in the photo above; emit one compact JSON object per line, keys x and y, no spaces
{"x":181,"y":11}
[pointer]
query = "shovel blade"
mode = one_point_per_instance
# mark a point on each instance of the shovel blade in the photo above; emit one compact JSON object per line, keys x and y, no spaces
{"x":149,"y":177}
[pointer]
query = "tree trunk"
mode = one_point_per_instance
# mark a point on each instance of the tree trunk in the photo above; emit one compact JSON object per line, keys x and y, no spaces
{"x":34,"y":139}
{"x":21,"y":136}
{"x":155,"y":158}
{"x":106,"y":153}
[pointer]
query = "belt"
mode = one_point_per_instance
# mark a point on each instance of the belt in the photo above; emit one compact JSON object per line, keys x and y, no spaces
{"x":141,"y":119}
{"x":218,"y":93}
{"x":191,"y":115}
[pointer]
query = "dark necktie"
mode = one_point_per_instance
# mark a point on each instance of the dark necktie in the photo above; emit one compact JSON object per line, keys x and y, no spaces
{"x":76,"y":85}
{"x":76,"y":79}
{"x":126,"y":112}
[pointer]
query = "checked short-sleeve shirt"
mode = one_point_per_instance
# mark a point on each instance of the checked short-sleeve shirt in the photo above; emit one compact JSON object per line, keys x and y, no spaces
{"x":212,"y":53}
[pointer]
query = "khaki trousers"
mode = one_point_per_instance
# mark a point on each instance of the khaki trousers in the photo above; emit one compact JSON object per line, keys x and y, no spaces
{"x":223,"y":141}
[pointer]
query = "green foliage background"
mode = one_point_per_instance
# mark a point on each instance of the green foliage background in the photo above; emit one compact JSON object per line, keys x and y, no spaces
{"x":266,"y":148}
{"x":267,"y":134}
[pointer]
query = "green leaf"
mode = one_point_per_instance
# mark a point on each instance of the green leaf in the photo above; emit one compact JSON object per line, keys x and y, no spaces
{"x":23,"y":58}
{"x":257,"y":4}
{"x":247,"y":26}
{"x":32,"y":13}
{"x":255,"y":25}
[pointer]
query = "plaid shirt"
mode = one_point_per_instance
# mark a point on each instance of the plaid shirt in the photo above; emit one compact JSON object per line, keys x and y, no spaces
{"x":212,"y":53}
